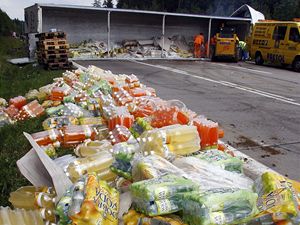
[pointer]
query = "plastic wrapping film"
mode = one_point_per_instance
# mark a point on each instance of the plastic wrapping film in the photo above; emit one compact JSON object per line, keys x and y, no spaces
{"x":210,"y":176}
{"x":218,"y":206}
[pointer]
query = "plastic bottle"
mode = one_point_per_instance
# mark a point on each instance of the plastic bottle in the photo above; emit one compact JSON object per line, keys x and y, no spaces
{"x":20,"y":216}
{"x":213,"y":134}
{"x":180,"y":134}
{"x":92,"y":147}
{"x":74,"y":134}
{"x":48,"y":137}
{"x":58,"y":93}
{"x":11,"y":111}
{"x":18,"y":102}
{"x":47,"y":214}
{"x":107,"y":175}
{"x":31,"y":110}
{"x":184,"y":148}
{"x":119,"y":116}
{"x":119,"y":134}
{"x":77,"y":198}
{"x":94,"y":163}
{"x":45,"y":200}
{"x":208,"y":132}
{"x":26,"y":197}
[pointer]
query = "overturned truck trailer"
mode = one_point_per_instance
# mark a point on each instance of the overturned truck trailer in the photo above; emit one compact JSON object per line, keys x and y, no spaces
{"x":109,"y":25}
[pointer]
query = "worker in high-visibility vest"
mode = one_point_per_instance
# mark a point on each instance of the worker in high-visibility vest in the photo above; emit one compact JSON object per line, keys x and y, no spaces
{"x":244,"y":51}
{"x":199,"y":45}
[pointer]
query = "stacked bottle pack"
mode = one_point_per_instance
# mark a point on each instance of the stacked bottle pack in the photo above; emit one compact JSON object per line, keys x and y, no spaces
{"x":131,"y":146}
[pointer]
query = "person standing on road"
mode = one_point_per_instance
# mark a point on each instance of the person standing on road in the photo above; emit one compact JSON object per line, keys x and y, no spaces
{"x":199,"y":45}
{"x":243,"y":48}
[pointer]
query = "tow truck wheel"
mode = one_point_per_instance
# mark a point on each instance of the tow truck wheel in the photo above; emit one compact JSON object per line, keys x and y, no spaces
{"x":258,"y":59}
{"x":296,"y":64}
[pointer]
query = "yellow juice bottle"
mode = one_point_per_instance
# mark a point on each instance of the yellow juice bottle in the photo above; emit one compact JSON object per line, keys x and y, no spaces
{"x":93,"y":163}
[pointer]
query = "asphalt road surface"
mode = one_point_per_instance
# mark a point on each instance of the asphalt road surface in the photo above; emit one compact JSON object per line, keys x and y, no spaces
{"x":257,"y":106}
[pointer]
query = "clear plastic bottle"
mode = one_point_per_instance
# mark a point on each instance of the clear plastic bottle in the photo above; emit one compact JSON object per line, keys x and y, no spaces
{"x":92,"y":147}
{"x":20,"y":216}
{"x":25,"y":197}
{"x":44,"y":200}
{"x":94,"y":163}
{"x":171,"y":140}
{"x":47,"y":214}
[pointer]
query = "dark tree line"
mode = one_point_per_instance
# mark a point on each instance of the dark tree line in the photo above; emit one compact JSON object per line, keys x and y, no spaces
{"x":7,"y":26}
{"x":272,"y":9}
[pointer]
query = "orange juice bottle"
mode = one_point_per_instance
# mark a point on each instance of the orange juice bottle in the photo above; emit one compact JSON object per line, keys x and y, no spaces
{"x":119,"y":134}
{"x":213,"y":134}
{"x":127,"y":120}
{"x":205,"y":140}
{"x":12,"y":111}
{"x":48,"y":137}
{"x":32,"y":109}
{"x":221,"y":133}
{"x":18,"y":102}
{"x":58,"y":93}
{"x":75,"y":134}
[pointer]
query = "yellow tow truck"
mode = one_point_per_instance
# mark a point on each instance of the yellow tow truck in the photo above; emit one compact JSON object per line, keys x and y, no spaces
{"x":276,"y":42}
{"x":225,"y":45}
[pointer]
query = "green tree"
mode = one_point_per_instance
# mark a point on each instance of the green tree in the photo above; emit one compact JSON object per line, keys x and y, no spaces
{"x":97,"y":3}
{"x":272,"y":9}
{"x":287,"y":10}
{"x":108,"y":4}
{"x":6,"y":24}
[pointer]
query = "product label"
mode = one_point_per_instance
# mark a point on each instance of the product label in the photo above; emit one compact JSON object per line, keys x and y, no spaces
{"x":162,"y":193}
{"x":87,"y":131}
{"x":28,"y":111}
{"x":217,"y":218}
{"x":166,"y":151}
{"x":52,"y":135}
{"x":163,"y":136}
{"x":163,"y":206}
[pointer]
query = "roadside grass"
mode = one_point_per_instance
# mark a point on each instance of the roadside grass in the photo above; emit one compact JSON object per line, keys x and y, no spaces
{"x":14,"y":81}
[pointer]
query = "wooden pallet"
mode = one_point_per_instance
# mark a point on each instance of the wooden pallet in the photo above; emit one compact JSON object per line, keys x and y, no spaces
{"x":57,"y":66}
{"x":54,"y":51}
{"x":60,"y":41}
{"x":53,"y":47}
{"x":51,"y":35}
{"x":54,"y":56}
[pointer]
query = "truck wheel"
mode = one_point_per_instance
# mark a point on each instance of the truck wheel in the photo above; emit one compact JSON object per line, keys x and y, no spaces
{"x":296,"y":64}
{"x":259,"y":59}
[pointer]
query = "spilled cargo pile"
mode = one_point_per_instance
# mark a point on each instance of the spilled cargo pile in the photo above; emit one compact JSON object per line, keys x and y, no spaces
{"x":138,"y":160}
{"x":172,"y":47}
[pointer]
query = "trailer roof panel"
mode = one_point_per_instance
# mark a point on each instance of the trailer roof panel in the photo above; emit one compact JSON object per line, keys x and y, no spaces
{"x":51,"y":5}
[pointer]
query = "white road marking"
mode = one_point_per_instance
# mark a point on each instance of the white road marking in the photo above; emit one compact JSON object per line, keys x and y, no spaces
{"x":225,"y":83}
{"x":243,"y":68}
{"x":256,"y":90}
